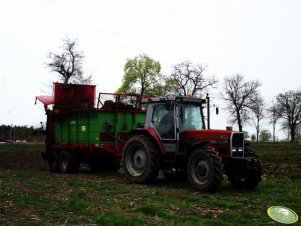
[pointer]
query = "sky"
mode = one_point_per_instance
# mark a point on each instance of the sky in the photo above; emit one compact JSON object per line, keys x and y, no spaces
{"x":259,"y":39}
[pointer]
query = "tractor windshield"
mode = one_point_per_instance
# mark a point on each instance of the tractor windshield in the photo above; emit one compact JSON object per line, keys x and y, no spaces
{"x":190,"y":116}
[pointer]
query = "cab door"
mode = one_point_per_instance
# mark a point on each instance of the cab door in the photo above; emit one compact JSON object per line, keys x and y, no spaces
{"x":164,"y":123}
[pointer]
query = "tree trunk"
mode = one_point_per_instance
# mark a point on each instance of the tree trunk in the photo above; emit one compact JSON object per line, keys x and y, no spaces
{"x":257,"y":134}
{"x":292,"y":133}
{"x":239,"y":122}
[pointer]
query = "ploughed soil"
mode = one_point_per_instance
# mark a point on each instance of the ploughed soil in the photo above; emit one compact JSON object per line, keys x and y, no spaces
{"x":22,"y":157}
{"x":30,"y":195}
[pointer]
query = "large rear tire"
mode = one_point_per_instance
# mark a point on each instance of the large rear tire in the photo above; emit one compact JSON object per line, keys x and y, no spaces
{"x":204,"y":170}
{"x":68,"y":162}
{"x":140,"y":159}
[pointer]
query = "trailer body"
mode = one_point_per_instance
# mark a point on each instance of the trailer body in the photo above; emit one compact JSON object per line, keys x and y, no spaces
{"x":91,"y":133}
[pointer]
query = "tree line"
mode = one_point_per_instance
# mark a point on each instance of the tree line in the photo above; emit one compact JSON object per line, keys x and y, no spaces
{"x":13,"y":133}
{"x":142,"y":76}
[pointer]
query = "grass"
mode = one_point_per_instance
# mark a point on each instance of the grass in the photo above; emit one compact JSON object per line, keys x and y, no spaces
{"x":30,"y":195}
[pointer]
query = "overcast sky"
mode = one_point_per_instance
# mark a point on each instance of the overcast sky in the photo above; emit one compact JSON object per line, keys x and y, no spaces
{"x":259,"y":39}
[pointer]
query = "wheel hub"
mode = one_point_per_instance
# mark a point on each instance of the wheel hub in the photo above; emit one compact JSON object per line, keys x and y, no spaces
{"x":201,"y":171}
{"x":139,"y":158}
{"x":136,"y":161}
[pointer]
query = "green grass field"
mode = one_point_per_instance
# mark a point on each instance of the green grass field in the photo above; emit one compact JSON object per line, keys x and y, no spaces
{"x":30,"y":195}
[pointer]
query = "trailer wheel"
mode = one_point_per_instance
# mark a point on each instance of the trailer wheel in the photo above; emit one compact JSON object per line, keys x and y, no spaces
{"x":204,"y":170}
{"x":68,"y":162}
{"x":53,"y":161}
{"x":140,"y":160}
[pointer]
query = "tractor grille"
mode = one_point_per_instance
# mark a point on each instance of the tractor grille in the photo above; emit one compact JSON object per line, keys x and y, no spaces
{"x":237,"y":145}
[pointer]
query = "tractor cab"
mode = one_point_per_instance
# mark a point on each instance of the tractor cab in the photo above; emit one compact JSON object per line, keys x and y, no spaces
{"x":170,"y":117}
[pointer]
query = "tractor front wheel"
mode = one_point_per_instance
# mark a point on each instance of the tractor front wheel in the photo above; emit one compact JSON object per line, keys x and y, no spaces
{"x":204,"y":170}
{"x":248,"y":177}
{"x":140,"y":159}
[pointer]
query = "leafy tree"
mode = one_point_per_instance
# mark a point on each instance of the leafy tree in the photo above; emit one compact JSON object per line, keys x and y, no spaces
{"x":288,"y":108}
{"x":166,"y":87}
{"x":189,"y":78}
{"x":239,"y":95}
{"x":265,"y":135}
{"x":258,"y":110}
{"x":68,"y":63}
{"x":141,"y":76}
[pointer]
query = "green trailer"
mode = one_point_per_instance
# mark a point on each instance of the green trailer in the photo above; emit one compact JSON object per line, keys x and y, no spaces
{"x":80,"y":132}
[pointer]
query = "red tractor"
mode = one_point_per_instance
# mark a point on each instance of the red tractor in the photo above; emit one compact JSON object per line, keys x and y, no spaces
{"x":174,"y":139}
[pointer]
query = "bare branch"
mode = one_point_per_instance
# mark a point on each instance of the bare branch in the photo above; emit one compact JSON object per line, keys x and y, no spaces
{"x":68,"y":63}
{"x":191,"y":79}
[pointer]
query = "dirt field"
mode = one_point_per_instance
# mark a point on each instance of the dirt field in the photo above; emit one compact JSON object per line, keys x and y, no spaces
{"x":31,"y":195}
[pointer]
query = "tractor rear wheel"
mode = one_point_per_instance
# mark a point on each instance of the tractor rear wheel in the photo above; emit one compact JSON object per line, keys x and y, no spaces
{"x":53,"y":161}
{"x":204,"y":170}
{"x":140,"y":159}
{"x":68,"y":162}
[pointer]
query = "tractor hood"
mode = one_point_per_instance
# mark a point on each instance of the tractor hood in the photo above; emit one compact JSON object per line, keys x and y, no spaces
{"x":207,"y":135}
{"x":226,"y":142}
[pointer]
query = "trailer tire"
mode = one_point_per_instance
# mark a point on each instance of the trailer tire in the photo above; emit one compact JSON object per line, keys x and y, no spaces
{"x":68,"y":162}
{"x":140,"y":159}
{"x":204,"y":170}
{"x":53,"y":161}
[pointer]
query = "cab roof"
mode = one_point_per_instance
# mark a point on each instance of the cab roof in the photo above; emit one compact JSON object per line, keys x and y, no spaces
{"x":173,"y":98}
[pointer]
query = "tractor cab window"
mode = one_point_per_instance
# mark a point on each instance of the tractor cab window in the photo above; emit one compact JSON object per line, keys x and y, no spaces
{"x":190,"y":117}
{"x":164,"y":121}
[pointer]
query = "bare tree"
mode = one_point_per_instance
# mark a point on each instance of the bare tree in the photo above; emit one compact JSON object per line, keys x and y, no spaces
{"x":257,"y":107}
{"x":288,"y":107}
{"x":239,"y":95}
{"x":68,"y":63}
{"x":190,"y":78}
{"x":274,"y":116}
